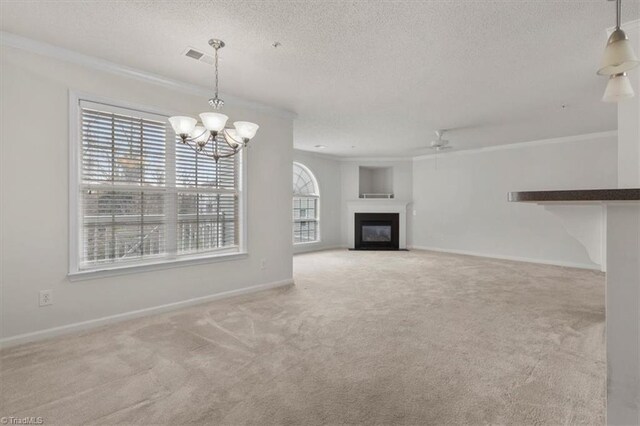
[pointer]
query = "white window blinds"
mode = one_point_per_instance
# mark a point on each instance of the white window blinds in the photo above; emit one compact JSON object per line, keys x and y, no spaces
{"x":143,"y":196}
{"x":207,"y":200}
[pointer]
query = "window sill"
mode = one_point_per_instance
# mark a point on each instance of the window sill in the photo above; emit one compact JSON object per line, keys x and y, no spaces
{"x":304,"y":243}
{"x":155,"y":266}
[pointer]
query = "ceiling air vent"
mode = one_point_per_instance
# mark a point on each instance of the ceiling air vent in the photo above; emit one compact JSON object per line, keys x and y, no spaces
{"x":198,"y":55}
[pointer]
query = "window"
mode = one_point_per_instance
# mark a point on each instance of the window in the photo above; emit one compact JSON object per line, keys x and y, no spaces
{"x":141,"y":197}
{"x":306,"y":204}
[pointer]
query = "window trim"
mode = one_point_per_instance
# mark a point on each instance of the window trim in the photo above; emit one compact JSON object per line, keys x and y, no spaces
{"x":75,"y":143}
{"x":318,"y":204}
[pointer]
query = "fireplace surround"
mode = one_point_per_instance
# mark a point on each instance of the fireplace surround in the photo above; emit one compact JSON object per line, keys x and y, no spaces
{"x":377,"y":231}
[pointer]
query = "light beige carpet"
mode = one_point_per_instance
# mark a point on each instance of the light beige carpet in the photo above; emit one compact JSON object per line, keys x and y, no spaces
{"x":363,"y":338}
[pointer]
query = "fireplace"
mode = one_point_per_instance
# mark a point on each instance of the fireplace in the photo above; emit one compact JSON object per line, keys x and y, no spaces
{"x":394,"y":210}
{"x":377,"y":231}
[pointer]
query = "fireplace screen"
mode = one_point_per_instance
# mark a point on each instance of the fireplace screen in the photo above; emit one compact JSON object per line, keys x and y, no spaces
{"x":376,"y":231}
{"x":371,"y":233}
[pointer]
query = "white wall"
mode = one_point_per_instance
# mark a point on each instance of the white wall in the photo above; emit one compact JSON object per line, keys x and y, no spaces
{"x":402,"y":176}
{"x":327,"y":173}
{"x":34,"y":220}
{"x":629,"y":122}
{"x":461,"y":205}
{"x":623,"y":284}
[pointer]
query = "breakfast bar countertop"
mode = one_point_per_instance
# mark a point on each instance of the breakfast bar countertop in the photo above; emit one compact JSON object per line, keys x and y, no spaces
{"x":577,"y":195}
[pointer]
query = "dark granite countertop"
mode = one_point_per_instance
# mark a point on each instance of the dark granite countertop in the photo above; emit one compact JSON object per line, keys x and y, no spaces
{"x":578,"y":195}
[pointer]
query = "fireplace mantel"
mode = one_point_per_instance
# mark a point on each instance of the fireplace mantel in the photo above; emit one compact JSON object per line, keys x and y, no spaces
{"x":379,"y":203}
{"x":371,"y":205}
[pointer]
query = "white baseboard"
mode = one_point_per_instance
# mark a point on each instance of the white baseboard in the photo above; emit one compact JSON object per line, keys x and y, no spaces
{"x":514,"y":258}
{"x":313,"y":248}
{"x":85,"y":325}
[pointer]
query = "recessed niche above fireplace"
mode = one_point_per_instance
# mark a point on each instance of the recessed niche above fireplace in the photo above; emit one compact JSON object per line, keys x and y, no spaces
{"x":377,"y":231}
{"x":375,"y":182}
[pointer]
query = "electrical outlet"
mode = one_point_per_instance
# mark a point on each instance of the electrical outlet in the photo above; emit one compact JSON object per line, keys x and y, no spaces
{"x":46,"y":297}
{"x":263,"y":264}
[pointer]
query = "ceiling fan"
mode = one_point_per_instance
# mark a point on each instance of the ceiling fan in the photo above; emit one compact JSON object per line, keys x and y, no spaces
{"x":440,"y":144}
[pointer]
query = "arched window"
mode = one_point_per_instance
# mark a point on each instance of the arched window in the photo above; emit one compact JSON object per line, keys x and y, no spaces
{"x":306,"y":205}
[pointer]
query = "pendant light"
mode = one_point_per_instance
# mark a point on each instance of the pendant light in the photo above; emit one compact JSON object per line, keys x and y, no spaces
{"x":618,"y":54}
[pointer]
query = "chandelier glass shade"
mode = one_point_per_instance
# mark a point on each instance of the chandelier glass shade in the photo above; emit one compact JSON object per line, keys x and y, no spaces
{"x":213,"y":121}
{"x":204,"y":138}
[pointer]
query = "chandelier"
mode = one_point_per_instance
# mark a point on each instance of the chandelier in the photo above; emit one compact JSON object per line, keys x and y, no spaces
{"x":206,"y":138}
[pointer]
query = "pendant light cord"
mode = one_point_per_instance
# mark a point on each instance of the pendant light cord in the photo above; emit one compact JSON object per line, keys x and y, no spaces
{"x":618,"y":13}
{"x":216,"y":60}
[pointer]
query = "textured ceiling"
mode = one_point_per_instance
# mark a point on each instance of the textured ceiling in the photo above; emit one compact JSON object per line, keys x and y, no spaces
{"x":366,"y":78}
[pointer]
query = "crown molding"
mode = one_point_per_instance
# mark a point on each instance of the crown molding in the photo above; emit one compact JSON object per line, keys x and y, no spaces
{"x":517,"y":145}
{"x":626,"y":26}
{"x":375,"y":159}
{"x":564,"y":139}
{"x":315,"y":154}
{"x":56,"y":52}
{"x":67,"y":55}
{"x":340,"y":158}
{"x":634,"y":24}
